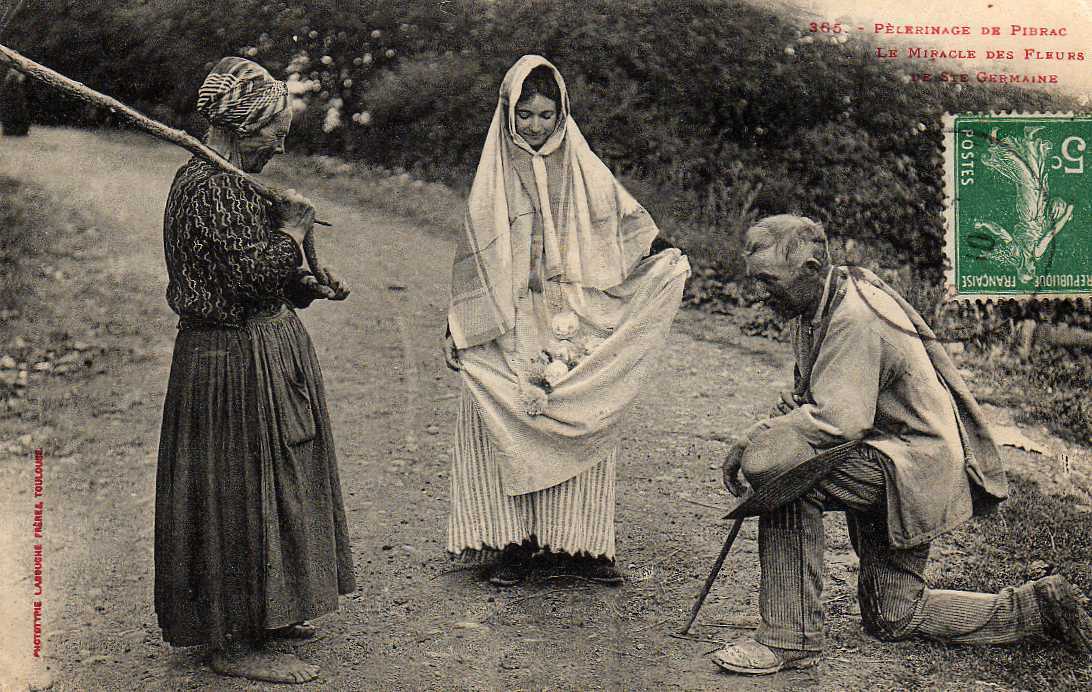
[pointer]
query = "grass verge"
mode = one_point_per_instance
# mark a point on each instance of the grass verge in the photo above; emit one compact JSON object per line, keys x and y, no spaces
{"x":998,"y":551}
{"x":1050,"y":387}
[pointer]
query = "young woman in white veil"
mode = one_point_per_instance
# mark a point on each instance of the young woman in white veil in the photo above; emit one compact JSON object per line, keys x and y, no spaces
{"x":558,"y":306}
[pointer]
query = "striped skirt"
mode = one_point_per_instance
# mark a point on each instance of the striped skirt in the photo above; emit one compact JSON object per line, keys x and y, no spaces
{"x":574,"y":517}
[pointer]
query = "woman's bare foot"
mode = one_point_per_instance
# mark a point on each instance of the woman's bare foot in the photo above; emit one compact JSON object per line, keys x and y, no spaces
{"x":267,"y":667}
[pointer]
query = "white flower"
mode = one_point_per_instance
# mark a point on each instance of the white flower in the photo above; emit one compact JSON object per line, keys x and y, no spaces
{"x":537,"y":368}
{"x":565,"y":325}
{"x":533,"y":400}
{"x":376,"y":33}
{"x":561,"y":349}
{"x":327,"y":60}
{"x":555,"y":372}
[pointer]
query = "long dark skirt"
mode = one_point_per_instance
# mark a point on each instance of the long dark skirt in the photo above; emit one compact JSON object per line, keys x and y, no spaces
{"x":250,"y":531}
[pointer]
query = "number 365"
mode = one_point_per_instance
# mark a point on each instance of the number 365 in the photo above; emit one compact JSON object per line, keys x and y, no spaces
{"x":1072,"y":153}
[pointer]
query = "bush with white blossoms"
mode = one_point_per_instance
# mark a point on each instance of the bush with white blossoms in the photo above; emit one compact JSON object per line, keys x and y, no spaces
{"x":331,"y":58}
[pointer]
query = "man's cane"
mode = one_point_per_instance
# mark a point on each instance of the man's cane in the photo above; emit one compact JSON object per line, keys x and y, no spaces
{"x":153,"y":127}
{"x":784,"y":488}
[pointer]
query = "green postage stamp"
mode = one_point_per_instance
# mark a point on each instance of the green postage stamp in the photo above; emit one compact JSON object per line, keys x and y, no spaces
{"x":1019,"y":208}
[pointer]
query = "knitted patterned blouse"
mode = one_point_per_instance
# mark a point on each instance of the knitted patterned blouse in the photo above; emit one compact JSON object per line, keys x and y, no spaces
{"x":225,"y":258}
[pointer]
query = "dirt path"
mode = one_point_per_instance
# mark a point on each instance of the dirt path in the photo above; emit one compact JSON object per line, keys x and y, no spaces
{"x":417,"y":622}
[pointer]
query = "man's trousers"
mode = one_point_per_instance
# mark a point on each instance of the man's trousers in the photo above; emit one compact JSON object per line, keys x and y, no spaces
{"x":895,"y":603}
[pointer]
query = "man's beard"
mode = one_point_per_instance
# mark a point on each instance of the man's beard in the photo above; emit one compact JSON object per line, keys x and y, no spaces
{"x":782,"y":308}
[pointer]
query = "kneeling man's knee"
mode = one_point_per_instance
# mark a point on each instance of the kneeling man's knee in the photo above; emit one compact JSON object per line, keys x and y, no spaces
{"x":888,"y":609}
{"x":887,"y":627}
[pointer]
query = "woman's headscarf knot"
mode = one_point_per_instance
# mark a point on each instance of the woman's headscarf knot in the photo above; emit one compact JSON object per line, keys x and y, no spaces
{"x":241,"y":96}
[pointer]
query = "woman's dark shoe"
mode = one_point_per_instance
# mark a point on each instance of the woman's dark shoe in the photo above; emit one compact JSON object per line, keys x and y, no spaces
{"x":506,"y":573}
{"x":510,"y":569}
{"x":602,"y":570}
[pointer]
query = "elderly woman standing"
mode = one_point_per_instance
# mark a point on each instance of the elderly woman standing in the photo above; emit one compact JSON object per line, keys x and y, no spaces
{"x":250,"y":532}
{"x":557,"y":307}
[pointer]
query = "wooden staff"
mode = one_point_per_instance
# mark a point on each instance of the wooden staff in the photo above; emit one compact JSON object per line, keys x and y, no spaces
{"x":713,"y":574}
{"x":158,"y":130}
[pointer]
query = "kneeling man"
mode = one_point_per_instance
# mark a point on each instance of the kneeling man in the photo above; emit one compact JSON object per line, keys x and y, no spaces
{"x":868,"y":368}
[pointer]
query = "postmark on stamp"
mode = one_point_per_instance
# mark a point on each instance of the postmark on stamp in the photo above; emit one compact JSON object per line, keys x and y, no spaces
{"x":1019,"y":208}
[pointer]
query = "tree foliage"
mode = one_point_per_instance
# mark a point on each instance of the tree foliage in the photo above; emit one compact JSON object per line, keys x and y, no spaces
{"x":701,"y":100}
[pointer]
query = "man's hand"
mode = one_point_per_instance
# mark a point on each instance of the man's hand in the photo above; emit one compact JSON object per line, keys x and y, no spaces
{"x":451,"y":354}
{"x":787,"y":403}
{"x":736,"y":485}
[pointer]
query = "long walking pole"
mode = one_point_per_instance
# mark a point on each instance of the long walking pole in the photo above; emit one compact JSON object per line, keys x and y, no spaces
{"x":713,"y":574}
{"x":155,"y":128}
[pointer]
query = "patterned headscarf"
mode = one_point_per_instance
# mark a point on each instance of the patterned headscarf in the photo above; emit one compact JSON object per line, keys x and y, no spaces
{"x":241,"y":96}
